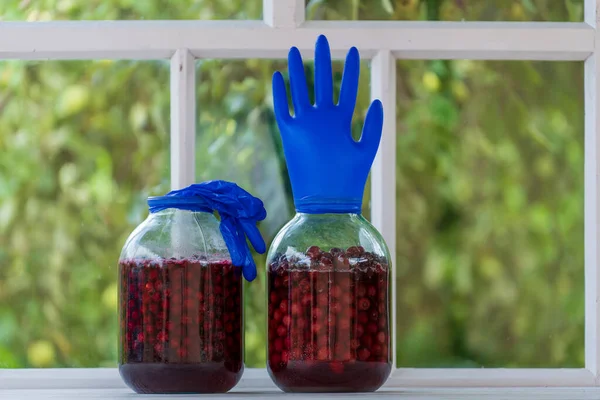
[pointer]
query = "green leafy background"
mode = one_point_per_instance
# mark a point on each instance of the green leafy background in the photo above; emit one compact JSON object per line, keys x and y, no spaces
{"x":489,"y":187}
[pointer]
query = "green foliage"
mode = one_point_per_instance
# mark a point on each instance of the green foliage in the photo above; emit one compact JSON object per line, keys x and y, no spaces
{"x":490,"y":186}
{"x":447,"y":10}
{"x":490,"y":214}
{"x":46,"y":10}
{"x":83,"y":144}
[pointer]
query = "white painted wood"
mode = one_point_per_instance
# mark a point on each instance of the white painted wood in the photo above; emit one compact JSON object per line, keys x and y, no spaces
{"x":591,"y":204}
{"x":490,"y":377}
{"x":98,"y":378}
{"x":414,"y":383}
{"x":590,"y":8}
{"x":255,"y":39}
{"x":383,"y":172}
{"x":60,"y":378}
{"x":283,"y":13}
{"x":183,"y":119}
{"x":404,"y":394}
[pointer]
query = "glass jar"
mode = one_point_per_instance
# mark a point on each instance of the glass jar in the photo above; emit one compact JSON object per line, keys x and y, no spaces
{"x":328,"y":305}
{"x":181,"y":325}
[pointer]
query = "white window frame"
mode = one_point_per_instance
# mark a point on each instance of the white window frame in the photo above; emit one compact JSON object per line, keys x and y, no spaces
{"x":383,"y":43}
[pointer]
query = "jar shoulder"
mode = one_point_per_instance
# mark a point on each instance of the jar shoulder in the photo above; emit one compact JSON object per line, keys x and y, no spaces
{"x":328,"y":231}
{"x":178,"y":234}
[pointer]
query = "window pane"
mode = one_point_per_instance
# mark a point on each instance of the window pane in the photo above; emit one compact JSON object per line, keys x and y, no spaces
{"x":446,"y":10}
{"x":47,"y":10}
{"x":83,"y":144}
{"x":238,"y":140}
{"x":490,"y":214}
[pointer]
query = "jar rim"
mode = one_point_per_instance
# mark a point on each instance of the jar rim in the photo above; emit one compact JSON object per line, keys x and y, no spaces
{"x":193,"y":203}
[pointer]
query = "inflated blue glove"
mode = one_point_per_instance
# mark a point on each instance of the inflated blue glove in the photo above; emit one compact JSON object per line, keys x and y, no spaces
{"x":239,"y":212}
{"x":328,"y":168}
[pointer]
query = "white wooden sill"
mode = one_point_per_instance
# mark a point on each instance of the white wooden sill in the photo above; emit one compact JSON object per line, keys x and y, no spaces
{"x":105,"y":383}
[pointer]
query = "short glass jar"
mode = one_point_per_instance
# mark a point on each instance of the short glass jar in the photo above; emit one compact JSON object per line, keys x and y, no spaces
{"x":328,"y":305}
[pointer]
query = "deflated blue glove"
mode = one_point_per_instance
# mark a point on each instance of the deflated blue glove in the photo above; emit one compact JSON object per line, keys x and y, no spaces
{"x":239,"y":212}
{"x":328,"y":168}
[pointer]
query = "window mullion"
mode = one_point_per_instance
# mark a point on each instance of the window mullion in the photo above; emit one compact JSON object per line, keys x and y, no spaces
{"x":183,"y":119}
{"x":383,"y":173}
{"x":283,"y":13}
{"x":591,"y":204}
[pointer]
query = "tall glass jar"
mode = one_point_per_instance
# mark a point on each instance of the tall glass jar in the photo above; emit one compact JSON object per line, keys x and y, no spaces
{"x":181,"y":324}
{"x":328,"y":305}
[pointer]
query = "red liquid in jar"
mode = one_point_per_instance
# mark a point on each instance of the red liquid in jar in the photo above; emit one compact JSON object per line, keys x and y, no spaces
{"x":181,"y":326}
{"x":328,"y":322}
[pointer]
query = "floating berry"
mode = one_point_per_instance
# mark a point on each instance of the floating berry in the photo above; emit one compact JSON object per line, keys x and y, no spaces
{"x":283,"y":306}
{"x":364,"y":304}
{"x":277,"y":315}
{"x":363,"y":317}
{"x":281,"y":330}
{"x":353,"y":251}
{"x":287,"y":320}
{"x":372,"y":291}
{"x":363,"y":354}
{"x":313,"y":252}
{"x":278,"y":344}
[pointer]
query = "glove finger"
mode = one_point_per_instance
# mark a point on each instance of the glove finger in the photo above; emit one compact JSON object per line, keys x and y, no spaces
{"x":249,"y":267}
{"x":229,"y":232}
{"x":280,"y":103}
{"x":298,"y":81}
{"x":323,"y":73}
{"x":349,"y":88}
{"x":241,"y":244}
{"x":254,"y":236}
{"x":371,"y":133}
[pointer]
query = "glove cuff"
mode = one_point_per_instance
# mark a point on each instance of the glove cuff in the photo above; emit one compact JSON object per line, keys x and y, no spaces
{"x":324,"y":205}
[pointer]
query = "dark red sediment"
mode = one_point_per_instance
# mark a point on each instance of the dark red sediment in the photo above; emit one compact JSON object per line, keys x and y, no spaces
{"x":181,"y":326}
{"x":328,"y":321}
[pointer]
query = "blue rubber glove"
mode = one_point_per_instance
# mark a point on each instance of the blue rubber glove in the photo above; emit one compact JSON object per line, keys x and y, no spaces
{"x":239,"y":212}
{"x":328,"y":169}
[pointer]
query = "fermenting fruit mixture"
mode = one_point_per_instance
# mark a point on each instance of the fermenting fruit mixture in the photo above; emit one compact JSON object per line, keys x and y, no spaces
{"x":328,"y":320}
{"x":181,"y":325}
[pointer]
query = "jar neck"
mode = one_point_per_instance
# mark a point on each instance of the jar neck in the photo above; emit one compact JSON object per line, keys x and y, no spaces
{"x":183,"y":213}
{"x":328,"y":216}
